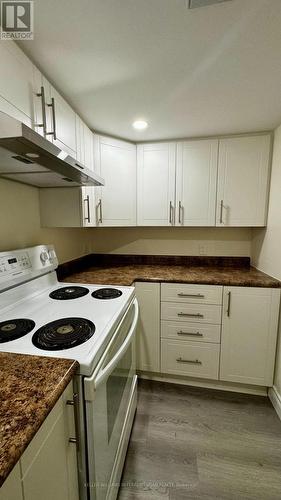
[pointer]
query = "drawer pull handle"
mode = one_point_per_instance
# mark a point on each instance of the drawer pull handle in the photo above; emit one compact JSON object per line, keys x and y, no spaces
{"x":193,"y":334}
{"x":188,"y":315}
{"x":195,"y":295}
{"x":189,"y":361}
{"x":72,"y":440}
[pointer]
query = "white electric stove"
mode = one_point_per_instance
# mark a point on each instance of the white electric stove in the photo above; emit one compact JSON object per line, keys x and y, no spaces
{"x":92,"y":324}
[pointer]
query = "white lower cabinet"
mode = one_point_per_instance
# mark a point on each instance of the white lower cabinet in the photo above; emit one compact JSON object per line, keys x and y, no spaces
{"x":148,"y":332}
{"x":192,"y":359}
{"x":48,"y":467}
{"x":249,"y":332}
{"x":12,"y":488}
{"x":212,"y":332}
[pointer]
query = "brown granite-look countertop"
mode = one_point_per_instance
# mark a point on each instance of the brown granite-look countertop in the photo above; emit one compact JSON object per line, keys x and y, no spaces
{"x":29,"y":388}
{"x":207,"y":275}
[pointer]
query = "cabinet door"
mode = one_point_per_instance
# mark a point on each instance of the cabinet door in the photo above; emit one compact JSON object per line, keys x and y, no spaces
{"x":249,"y":330}
{"x":12,"y":488}
{"x":148,"y":332}
{"x":243,"y":179}
{"x":117,"y":199}
{"x":156,"y":167}
{"x":49,"y":467}
{"x":16,"y":83}
{"x":196,"y":183}
{"x":88,"y":148}
{"x":88,"y":200}
{"x":63,"y":123}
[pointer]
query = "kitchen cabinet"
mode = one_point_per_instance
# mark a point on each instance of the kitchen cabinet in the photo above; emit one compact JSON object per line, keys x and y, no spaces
{"x":48,"y":467}
{"x":67,"y":207}
{"x":60,"y":119}
{"x":16,"y":83}
{"x":156,"y":170}
{"x":196,"y":183}
{"x":116,"y":201}
{"x":12,"y":487}
{"x":249,"y":330}
{"x":84,"y":144}
{"x":190,"y":329}
{"x":148,"y":331}
{"x":243,"y":179}
{"x":51,"y":448}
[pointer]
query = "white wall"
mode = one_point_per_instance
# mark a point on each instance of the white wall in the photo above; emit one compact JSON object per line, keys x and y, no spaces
{"x":266,"y":244}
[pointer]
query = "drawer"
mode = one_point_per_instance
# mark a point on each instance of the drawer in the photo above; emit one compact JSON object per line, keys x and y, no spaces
{"x":195,"y":313}
{"x":193,"y":359}
{"x":193,"y":294}
{"x":192,"y":331}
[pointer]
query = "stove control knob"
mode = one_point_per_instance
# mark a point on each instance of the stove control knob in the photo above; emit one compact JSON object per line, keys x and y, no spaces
{"x":44,"y":257}
{"x":52,"y":255}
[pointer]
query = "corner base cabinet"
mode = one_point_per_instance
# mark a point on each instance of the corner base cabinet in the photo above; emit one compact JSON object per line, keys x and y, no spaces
{"x":225,"y":334}
{"x":249,"y":332}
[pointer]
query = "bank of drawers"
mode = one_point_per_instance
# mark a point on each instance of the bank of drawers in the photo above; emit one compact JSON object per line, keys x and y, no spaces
{"x":191,"y":329}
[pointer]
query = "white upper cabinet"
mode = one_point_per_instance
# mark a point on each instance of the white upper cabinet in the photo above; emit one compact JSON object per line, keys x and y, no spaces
{"x":249,"y":331}
{"x":16,"y":83}
{"x":84,"y":144}
{"x":243,"y":178}
{"x":156,"y":170}
{"x":63,"y":127}
{"x":196,"y":183}
{"x":117,"y":199}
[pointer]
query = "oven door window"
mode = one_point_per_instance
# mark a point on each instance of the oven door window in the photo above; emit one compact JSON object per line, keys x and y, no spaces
{"x":115,"y":388}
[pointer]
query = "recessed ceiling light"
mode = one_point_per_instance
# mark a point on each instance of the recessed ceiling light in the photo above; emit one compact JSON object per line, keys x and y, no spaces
{"x":140,"y":124}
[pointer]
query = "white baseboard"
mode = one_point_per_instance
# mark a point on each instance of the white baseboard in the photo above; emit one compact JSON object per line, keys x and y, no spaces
{"x":205,"y":383}
{"x":275,"y":399}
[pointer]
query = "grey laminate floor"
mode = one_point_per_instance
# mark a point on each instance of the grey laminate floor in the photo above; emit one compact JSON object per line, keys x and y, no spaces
{"x":203,"y":444}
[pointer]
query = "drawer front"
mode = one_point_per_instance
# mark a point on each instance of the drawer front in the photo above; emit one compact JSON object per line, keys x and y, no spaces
{"x":192,"y":359}
{"x":193,"y":294}
{"x":192,"y":331}
{"x":195,"y":313}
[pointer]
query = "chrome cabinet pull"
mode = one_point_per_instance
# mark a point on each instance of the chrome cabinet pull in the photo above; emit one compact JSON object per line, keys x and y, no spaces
{"x":87,"y":201}
{"x":221,"y":212}
{"x":192,"y":334}
{"x":99,"y":206}
{"x":180,"y":212}
{"x":75,"y":404}
{"x":43,"y":104}
{"x":189,"y":361}
{"x":196,"y":295}
{"x":171,"y":215}
{"x":52,"y":105}
{"x":228,"y":303}
{"x":189,"y":315}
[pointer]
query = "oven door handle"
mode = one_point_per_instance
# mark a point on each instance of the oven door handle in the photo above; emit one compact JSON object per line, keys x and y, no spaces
{"x":103,"y":374}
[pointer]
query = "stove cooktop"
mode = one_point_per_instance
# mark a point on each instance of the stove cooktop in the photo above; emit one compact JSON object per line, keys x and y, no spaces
{"x":34,"y":300}
{"x":69,"y":292}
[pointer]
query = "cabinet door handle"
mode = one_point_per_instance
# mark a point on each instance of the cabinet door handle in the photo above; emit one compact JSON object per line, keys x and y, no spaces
{"x":99,"y":206}
{"x":189,"y":315}
{"x":189,"y":361}
{"x":195,"y":295}
{"x":43,"y":105}
{"x":75,"y":404}
{"x":171,"y":215}
{"x":54,"y":132}
{"x":180,"y":212}
{"x":221,"y":212}
{"x":228,"y":303}
{"x":192,"y":334}
{"x":87,"y":201}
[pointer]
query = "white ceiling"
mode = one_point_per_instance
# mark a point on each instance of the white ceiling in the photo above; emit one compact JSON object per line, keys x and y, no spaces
{"x":206,"y":71}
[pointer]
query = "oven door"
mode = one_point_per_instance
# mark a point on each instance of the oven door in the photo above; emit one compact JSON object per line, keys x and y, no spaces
{"x":108,"y":396}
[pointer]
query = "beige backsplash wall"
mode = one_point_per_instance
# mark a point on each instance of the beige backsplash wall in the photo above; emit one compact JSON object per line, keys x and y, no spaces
{"x":20,"y":224}
{"x":173,"y":241}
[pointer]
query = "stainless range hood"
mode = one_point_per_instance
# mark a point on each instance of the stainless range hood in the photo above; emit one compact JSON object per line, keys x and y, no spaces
{"x":27,"y":157}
